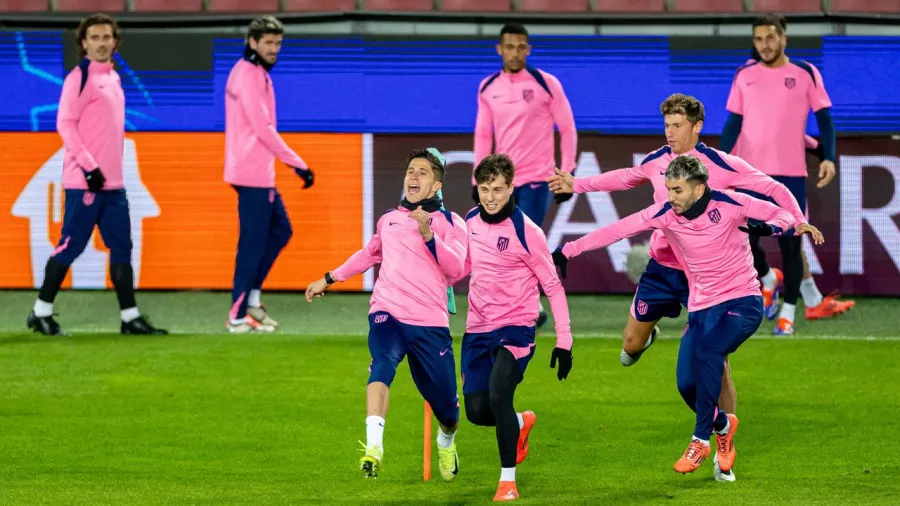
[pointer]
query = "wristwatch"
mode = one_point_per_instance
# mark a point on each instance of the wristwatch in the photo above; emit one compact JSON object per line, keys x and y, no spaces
{"x":328,"y":279}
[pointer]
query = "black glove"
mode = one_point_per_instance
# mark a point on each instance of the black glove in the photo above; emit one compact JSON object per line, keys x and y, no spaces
{"x":560,"y":261}
{"x":565,"y":362}
{"x":757,"y":229}
{"x":306,"y":175}
{"x":95,"y":180}
{"x":562,"y":197}
{"x":475,"y":196}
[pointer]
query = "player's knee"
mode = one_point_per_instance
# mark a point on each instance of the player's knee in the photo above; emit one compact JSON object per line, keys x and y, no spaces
{"x":382,"y":371}
{"x":478,"y":409}
{"x":687,"y":387}
{"x":69,"y":249}
{"x":120,"y":255}
{"x":284,"y":234}
{"x":633,"y":341}
{"x":445,"y":409}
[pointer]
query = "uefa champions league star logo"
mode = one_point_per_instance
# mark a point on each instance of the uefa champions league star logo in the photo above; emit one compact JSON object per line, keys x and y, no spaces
{"x":41,"y":201}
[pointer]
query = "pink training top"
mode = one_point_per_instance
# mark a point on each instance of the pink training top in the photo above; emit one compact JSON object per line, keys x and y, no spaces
{"x":726,"y":172}
{"x":412,"y":284}
{"x":520,"y":109}
{"x":775,"y":104}
{"x":507,"y":260}
{"x":251,"y":139}
{"x":91,"y":122}
{"x":715,"y":254}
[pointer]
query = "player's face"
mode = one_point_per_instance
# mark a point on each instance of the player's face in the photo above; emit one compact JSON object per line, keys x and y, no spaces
{"x":681,"y":135}
{"x":420,"y":182}
{"x":99,"y":43}
{"x":768,"y":43}
{"x":267,"y":47}
{"x":514,"y":49}
{"x":494,"y":194}
{"x":683,"y":195}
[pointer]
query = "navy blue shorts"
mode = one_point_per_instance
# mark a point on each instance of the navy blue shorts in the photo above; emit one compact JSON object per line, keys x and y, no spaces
{"x":106,"y":210}
{"x":480,"y":350}
{"x":431,"y":362}
{"x":661,"y":293}
{"x":795,"y":184}
{"x":534,"y":200}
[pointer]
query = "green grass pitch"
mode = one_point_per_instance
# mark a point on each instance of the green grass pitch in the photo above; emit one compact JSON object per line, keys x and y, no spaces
{"x":204,"y":417}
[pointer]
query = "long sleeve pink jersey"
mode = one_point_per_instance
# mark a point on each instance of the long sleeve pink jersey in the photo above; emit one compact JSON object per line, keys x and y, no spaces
{"x":519,"y":110}
{"x":91,"y":122}
{"x":507,"y":260}
{"x":726,"y":172}
{"x":414,"y":276}
{"x":715,"y":254}
{"x":251,"y":139}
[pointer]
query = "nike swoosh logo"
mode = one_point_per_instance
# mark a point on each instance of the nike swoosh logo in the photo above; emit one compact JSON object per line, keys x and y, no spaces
{"x":535,"y":185}
{"x":732,"y":313}
{"x":475,"y":233}
{"x":496,"y":96}
{"x":444,"y":352}
{"x":392,"y":223}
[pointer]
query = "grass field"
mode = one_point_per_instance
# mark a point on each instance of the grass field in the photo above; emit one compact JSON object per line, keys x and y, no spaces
{"x":203,"y":417}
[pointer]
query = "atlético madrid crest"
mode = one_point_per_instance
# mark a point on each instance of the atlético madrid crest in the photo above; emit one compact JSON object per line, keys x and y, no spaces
{"x":789,"y":82}
{"x":502,"y":243}
{"x":528,"y":95}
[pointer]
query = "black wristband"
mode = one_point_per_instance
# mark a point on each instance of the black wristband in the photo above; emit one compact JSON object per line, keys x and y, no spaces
{"x":328,"y":278}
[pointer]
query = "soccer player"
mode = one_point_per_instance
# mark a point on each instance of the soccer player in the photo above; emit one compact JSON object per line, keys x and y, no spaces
{"x":663,"y":288}
{"x":517,"y":108}
{"x":421,"y":249}
{"x":507,"y":257}
{"x":769,"y":103}
{"x":725,"y":307}
{"x":251,"y":145}
{"x":91,"y":122}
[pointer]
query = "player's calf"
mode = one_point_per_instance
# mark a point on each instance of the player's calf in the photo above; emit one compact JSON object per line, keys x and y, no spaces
{"x":632,"y":349}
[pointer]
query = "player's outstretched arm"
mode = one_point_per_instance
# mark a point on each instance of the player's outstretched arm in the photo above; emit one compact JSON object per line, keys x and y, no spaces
{"x":358,"y":263}
{"x":780,"y":221}
{"x":614,"y":180}
{"x":749,"y":178}
{"x":629,"y":226}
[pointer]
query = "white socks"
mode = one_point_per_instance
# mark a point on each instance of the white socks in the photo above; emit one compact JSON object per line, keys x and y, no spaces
{"x":704,"y":441}
{"x":507,"y":474}
{"x":253,"y":300}
{"x":130,"y":314}
{"x":374,"y":431}
{"x":42,"y":308}
{"x":521,"y":422}
{"x":812,"y":297}
{"x":443,"y":440}
{"x":787,"y":312}
{"x":769,"y":280}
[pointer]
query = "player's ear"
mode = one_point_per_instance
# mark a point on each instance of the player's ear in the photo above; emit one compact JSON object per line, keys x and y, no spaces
{"x":437,"y":186}
{"x":698,"y":126}
{"x":499,"y":52}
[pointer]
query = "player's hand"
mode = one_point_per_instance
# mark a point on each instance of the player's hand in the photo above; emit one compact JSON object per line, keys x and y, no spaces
{"x":306,"y":175}
{"x":562,"y":197}
{"x":424,"y":220}
{"x":95,"y":180}
{"x":565,"y":362}
{"x":806,"y":228}
{"x":561,"y":182}
{"x":316,"y":289}
{"x":475,"y":196}
{"x":826,"y":173}
{"x":757,"y":229}
{"x":560,"y":261}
